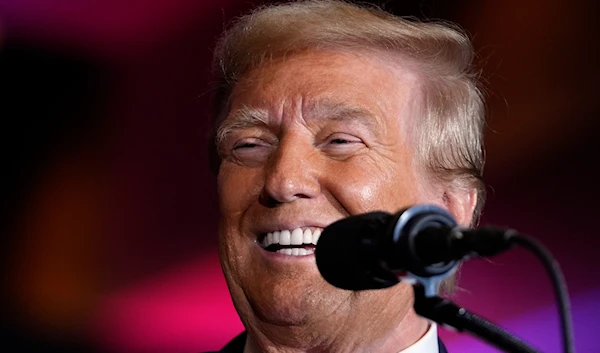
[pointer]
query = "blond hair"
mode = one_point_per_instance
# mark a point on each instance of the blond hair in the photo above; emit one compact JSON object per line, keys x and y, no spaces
{"x":450,"y":137}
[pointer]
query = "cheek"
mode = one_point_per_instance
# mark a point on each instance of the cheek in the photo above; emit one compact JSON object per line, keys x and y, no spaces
{"x":237,"y":192}
{"x":374,"y":186}
{"x":238,"y":188}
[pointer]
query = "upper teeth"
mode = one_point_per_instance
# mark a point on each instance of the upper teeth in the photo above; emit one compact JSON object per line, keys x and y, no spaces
{"x":297,"y":236}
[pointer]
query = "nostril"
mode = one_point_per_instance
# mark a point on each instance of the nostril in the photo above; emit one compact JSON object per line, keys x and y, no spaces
{"x":302,"y":196}
{"x":267,"y":201}
{"x":272,"y":196}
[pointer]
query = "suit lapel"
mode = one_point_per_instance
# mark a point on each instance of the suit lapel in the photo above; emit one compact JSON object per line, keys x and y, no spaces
{"x":236,"y":345}
{"x":441,"y":346}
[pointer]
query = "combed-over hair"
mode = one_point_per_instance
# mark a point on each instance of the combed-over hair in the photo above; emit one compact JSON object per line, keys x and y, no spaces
{"x":450,"y":131}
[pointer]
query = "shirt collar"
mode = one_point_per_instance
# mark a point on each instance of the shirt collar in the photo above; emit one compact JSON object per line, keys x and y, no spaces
{"x":426,"y":344}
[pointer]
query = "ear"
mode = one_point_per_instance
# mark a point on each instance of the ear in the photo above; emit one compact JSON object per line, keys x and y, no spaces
{"x":461,"y":204}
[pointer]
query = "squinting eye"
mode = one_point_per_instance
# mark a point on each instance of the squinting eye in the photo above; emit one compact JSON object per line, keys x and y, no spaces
{"x":343,"y":139}
{"x":245,"y":145}
{"x":340,"y":141}
{"x":249,"y":143}
{"x":342,"y":145}
{"x":251,"y":151}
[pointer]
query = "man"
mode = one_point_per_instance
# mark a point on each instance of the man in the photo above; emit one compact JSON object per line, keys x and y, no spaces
{"x":326,"y":110}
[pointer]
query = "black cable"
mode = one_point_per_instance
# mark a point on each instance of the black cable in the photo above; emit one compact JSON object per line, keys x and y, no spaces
{"x":558,"y":285}
{"x":446,"y":313}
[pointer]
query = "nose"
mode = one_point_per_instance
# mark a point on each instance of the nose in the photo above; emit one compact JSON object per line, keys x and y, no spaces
{"x":291,"y":174}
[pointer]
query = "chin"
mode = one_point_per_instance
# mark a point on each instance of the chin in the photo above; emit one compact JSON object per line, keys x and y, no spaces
{"x":296,"y":301}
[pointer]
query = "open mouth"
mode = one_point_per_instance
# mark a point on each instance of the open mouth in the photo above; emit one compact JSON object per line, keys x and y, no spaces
{"x":297,"y":242}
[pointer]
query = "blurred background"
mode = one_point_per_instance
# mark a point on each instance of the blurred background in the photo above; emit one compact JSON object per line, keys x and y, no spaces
{"x":108,"y":206}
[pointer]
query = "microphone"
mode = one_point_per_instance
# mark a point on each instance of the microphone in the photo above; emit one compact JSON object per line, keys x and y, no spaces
{"x":372,"y":250}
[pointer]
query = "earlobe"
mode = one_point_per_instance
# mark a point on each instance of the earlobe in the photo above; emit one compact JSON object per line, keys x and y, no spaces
{"x":461,"y":204}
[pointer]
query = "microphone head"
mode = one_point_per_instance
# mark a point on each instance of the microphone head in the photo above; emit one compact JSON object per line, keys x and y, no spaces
{"x":347,"y":255}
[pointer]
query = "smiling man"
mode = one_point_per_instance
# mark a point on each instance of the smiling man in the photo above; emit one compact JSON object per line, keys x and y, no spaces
{"x":326,"y":110}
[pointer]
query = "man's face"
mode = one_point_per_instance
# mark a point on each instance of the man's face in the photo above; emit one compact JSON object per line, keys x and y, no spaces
{"x":309,"y":140}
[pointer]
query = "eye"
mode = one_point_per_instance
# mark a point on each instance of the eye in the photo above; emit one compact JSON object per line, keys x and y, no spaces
{"x":247,"y":144}
{"x":243,"y":145}
{"x":342,"y":145}
{"x":340,"y":141}
{"x":250,"y":151}
{"x":343,"y":139}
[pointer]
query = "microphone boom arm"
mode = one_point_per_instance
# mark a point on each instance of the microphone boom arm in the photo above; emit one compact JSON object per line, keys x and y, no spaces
{"x":448,"y":314}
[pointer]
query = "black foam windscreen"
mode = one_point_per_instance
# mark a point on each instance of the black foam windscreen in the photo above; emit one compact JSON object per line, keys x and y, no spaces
{"x":346,"y":253}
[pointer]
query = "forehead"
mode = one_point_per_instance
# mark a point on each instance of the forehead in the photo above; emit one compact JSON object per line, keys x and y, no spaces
{"x":362,"y":79}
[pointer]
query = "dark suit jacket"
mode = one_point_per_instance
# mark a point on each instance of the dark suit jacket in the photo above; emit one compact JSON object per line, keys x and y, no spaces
{"x":237,"y":345}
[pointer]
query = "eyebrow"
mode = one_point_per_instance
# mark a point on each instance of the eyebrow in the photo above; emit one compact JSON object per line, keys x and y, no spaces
{"x":243,"y":118}
{"x":325,"y":109}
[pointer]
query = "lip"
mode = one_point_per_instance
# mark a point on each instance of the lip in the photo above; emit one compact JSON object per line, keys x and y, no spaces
{"x":283,"y":258}
{"x":278,"y":222}
{"x":264,"y":229}
{"x":266,"y":226}
{"x":261,"y":236}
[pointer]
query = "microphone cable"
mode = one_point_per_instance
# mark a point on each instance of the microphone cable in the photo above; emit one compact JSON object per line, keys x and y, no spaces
{"x":558,"y":285}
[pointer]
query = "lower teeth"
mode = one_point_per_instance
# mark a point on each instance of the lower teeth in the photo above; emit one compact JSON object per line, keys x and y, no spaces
{"x":296,"y":251}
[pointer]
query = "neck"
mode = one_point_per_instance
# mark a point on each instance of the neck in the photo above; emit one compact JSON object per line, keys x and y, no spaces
{"x":352,"y":336}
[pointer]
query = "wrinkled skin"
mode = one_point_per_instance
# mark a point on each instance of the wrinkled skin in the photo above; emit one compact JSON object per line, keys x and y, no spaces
{"x":333,"y":139}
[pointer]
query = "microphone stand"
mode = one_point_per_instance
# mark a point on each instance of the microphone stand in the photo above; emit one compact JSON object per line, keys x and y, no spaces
{"x":446,"y":313}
